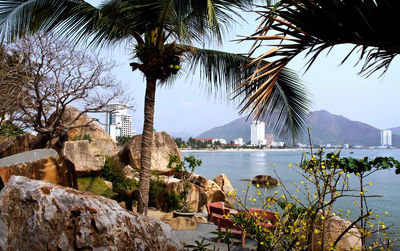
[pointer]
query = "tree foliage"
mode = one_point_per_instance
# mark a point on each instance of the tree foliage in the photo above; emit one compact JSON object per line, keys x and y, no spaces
{"x":58,"y":76}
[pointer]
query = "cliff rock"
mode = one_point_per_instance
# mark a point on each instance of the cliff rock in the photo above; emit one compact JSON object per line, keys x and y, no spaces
{"x":39,"y":216}
{"x":85,"y":163}
{"x":40,"y":164}
{"x":163,"y":145}
{"x":101,"y":143}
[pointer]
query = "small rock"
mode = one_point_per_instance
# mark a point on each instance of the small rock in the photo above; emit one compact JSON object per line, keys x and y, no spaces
{"x":265,"y":180}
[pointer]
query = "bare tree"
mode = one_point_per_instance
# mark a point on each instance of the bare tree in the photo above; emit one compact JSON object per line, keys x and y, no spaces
{"x":60,"y":75}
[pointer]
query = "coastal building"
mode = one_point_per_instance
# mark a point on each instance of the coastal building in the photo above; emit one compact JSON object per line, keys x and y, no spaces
{"x":386,"y":138}
{"x":118,"y":121}
{"x":220,"y":140}
{"x":238,"y":141}
{"x":257,"y":130}
{"x":269,"y":138}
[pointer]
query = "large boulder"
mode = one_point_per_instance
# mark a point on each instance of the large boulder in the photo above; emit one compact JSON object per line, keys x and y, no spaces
{"x":86,"y":164}
{"x":264,"y":180}
{"x":40,"y":164}
{"x":39,"y":216}
{"x":226,"y":186}
{"x":100,"y":144}
{"x":163,"y":145}
{"x":213,"y":191}
{"x":10,"y":145}
{"x":197,"y":197}
{"x":334,"y":226}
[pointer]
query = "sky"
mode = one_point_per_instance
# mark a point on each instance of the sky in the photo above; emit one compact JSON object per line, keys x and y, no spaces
{"x":186,"y":106}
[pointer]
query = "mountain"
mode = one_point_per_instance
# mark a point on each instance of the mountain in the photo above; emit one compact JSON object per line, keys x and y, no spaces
{"x":327,"y":128}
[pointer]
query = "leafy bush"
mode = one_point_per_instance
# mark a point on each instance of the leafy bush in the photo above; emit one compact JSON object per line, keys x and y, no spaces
{"x":123,"y":186}
{"x":83,"y":137}
{"x":303,"y":214}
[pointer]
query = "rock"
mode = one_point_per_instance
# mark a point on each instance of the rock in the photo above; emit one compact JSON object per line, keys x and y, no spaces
{"x":85,"y":163}
{"x":265,"y":180}
{"x":39,"y":216}
{"x":213,"y":191}
{"x":16,"y":144}
{"x":334,"y":226}
{"x":197,"y":197}
{"x":130,"y":173}
{"x":182,"y":223}
{"x":101,"y":143}
{"x":40,"y":164}
{"x":109,"y":184}
{"x":163,"y":145}
{"x":226,"y":186}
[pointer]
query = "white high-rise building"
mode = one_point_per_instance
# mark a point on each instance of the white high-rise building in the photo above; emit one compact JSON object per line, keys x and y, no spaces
{"x":118,"y":121}
{"x":257,"y":137}
{"x":386,"y":138}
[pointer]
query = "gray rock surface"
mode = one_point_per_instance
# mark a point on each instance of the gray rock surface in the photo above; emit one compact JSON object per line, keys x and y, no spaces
{"x":28,"y":156}
{"x":86,"y":164}
{"x":39,"y":216}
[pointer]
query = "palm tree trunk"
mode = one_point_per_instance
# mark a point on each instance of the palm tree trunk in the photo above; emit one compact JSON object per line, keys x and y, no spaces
{"x":147,"y":143}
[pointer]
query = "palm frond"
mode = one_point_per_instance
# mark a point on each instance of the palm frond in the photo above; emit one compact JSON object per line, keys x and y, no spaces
{"x":279,"y":99}
{"x":313,"y":26}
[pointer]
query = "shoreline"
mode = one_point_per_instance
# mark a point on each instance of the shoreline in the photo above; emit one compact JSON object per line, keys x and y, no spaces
{"x":243,"y":150}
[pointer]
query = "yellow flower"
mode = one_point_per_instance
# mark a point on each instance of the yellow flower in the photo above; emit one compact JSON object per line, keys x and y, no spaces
{"x":370,"y":183}
{"x":386,"y":212}
{"x":290,"y":164}
{"x":283,"y":196}
{"x":315,"y":197}
{"x":301,"y":182}
{"x":274,"y":164}
{"x":258,"y":185}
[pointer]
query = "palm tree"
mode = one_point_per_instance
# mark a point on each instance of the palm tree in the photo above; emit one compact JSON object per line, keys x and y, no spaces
{"x":163,"y":34}
{"x":314,"y":26}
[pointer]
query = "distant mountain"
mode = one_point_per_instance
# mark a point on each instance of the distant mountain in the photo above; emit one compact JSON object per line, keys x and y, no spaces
{"x":327,"y":128}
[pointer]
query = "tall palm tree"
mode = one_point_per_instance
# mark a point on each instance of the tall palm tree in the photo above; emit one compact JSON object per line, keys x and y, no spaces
{"x":163,"y":33}
{"x":314,"y":26}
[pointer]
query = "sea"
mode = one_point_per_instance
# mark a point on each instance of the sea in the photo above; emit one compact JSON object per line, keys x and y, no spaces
{"x":240,"y":166}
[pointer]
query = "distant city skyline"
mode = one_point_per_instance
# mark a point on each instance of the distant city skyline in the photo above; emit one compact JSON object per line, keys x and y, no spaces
{"x":186,"y":106}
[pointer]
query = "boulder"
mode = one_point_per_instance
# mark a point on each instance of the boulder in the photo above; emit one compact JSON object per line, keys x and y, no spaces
{"x":86,"y":164}
{"x":334,"y":226}
{"x":197,"y":197}
{"x":163,"y":145}
{"x":10,"y":145}
{"x":39,"y":216}
{"x":226,"y":186}
{"x":130,"y":173}
{"x":213,"y":191}
{"x":40,"y":164}
{"x":264,"y":180}
{"x":100,"y":144}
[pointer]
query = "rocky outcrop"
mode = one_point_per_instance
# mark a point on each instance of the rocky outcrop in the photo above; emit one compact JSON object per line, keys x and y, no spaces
{"x":163,"y":145}
{"x":130,"y":173}
{"x":39,"y":216}
{"x":100,"y":144}
{"x":226,"y":186}
{"x":213,"y":191}
{"x":40,"y":164}
{"x":264,"y":180}
{"x":17,"y":144}
{"x":197,"y":198}
{"x":85,"y":163}
{"x":334,"y":226}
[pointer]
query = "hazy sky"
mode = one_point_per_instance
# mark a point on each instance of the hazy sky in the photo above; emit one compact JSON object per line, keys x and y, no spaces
{"x":186,"y":106}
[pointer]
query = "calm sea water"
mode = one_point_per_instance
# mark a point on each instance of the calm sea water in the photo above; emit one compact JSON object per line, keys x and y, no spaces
{"x":246,"y":165}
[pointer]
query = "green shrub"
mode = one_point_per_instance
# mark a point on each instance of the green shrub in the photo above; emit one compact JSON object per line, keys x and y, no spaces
{"x":123,"y":186}
{"x":83,"y":137}
{"x":95,"y":185}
